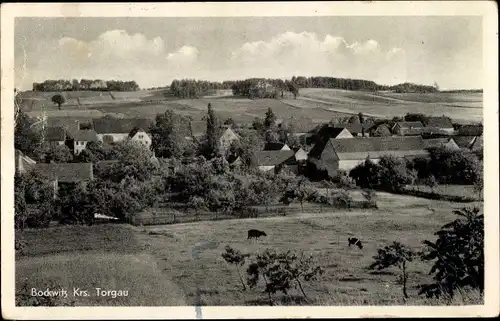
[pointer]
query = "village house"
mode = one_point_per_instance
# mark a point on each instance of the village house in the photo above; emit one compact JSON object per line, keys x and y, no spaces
{"x":275,"y":161}
{"x":80,"y":139}
{"x":440,"y":124}
{"x":227,"y":137}
{"x":356,"y":129}
{"x":112,"y":130}
{"x":441,"y":142}
{"x":408,"y":128}
{"x":469,"y":142}
{"x":345,"y":154}
{"x":140,"y":136}
{"x":55,"y":135}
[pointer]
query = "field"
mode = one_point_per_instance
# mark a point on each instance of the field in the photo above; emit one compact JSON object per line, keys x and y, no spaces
{"x":461,"y":106}
{"x":181,"y":264}
{"x":315,"y":103}
{"x":466,"y":191}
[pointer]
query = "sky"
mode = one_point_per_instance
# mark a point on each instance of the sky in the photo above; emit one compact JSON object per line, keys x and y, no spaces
{"x":446,"y":50}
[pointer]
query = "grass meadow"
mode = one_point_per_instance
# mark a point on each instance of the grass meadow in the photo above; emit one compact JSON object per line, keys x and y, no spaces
{"x":181,"y":264}
{"x":318,"y":104}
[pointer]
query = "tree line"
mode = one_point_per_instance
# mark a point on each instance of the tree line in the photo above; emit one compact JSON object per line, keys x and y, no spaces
{"x":86,"y":85}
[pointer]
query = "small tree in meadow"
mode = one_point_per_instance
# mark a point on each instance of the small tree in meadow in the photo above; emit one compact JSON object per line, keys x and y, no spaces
{"x":282,"y":271}
{"x":58,"y":99}
{"x":371,"y":197}
{"x":397,"y":255}
{"x":431,"y":182}
{"x":237,"y":258}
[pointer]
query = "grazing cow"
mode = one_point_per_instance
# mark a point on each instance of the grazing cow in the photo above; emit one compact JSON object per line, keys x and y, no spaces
{"x":355,"y":241}
{"x":255,"y":233}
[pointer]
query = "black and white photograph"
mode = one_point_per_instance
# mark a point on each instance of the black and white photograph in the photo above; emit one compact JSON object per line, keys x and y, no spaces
{"x":256,"y":157}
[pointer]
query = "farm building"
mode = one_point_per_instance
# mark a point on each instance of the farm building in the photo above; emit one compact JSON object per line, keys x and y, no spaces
{"x":139,"y":135}
{"x":55,"y":135}
{"x":345,"y":154}
{"x":441,"y":124}
{"x":300,"y":155}
{"x":275,"y":160}
{"x":356,"y":128}
{"x":227,"y":137}
{"x":408,"y":128}
{"x":441,"y":142}
{"x":65,"y":173}
{"x":276,"y":146}
{"x":112,"y":130}
{"x":80,"y":139}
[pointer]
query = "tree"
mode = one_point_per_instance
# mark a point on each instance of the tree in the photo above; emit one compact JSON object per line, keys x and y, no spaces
{"x":458,"y":255}
{"x":237,"y":258}
{"x":54,"y":153}
{"x":230,"y":122}
{"x":213,"y":133}
{"x":76,"y":205}
{"x":134,"y":160}
{"x":397,"y":255}
{"x":454,"y":166}
{"x":282,"y":271}
{"x":168,"y":135}
{"x":270,"y":118}
{"x":26,"y":137}
{"x":58,"y":99}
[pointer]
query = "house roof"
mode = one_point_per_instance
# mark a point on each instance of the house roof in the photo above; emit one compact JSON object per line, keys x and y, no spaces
{"x":66,"y":172}
{"x":53,"y":134}
{"x":439,"y":122}
{"x":409,"y":124}
{"x":464,"y":141}
{"x":273,"y":157}
{"x":357,"y":147}
{"x":85,"y":136}
{"x":134,"y":131}
{"x":327,"y":132}
{"x":471,"y":130}
{"x":273,"y":146}
{"x":435,"y":142}
{"x":477,"y":143}
{"x":119,"y":125}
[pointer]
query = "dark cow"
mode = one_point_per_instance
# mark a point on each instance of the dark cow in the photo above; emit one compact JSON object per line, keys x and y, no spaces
{"x":355,"y":241}
{"x":255,"y":234}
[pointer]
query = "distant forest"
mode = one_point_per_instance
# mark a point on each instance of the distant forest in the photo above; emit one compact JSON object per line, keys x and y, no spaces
{"x":252,"y":87}
{"x":85,"y":85}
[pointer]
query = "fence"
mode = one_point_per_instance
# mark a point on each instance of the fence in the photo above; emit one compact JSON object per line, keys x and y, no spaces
{"x":165,"y":216}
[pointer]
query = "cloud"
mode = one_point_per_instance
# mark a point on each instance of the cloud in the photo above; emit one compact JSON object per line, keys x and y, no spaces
{"x":114,"y":54}
{"x":307,"y":54}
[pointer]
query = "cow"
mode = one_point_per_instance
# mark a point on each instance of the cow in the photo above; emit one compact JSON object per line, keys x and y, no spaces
{"x":255,"y":234}
{"x":355,"y":241}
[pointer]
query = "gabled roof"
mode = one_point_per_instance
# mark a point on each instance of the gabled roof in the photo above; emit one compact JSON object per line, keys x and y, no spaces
{"x":409,"y":124}
{"x":85,"y":136}
{"x":327,"y":132}
{"x":354,"y":128}
{"x":274,"y":146}
{"x":55,"y":134}
{"x":436,"y":142}
{"x":355,"y":145}
{"x":464,"y":141}
{"x":470,"y":130}
{"x":119,"y":125}
{"x":273,"y":158}
{"x":66,"y":172}
{"x":134,"y":131}
{"x":439,"y":122}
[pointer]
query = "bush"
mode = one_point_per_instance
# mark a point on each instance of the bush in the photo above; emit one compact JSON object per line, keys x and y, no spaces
{"x":458,"y":253}
{"x":454,"y":166}
{"x":340,"y":199}
{"x":343,"y":180}
{"x":282,"y":271}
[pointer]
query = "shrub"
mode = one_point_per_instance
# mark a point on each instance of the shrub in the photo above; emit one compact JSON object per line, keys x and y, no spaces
{"x":458,"y":253}
{"x":397,"y":255}
{"x":454,"y":166}
{"x":237,"y":258}
{"x":340,"y":199}
{"x":282,"y":271}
